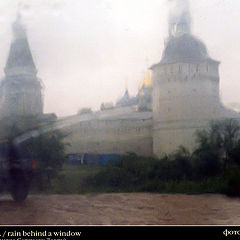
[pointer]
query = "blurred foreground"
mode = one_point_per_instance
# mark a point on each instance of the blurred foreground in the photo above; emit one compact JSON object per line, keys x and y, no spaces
{"x":121,"y":209}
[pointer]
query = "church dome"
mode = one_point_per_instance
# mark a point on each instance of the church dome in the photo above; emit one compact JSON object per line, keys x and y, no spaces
{"x":146,"y":82}
{"x":184,"y":48}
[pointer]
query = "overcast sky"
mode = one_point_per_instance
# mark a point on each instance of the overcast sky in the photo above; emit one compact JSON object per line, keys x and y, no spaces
{"x":88,"y":51}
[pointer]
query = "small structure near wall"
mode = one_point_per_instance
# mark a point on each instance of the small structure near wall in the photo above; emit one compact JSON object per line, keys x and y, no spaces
{"x":92,"y":159}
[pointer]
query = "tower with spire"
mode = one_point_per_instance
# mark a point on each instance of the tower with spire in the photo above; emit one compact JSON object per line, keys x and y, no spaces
{"x":20,"y":90}
{"x":185,"y":89}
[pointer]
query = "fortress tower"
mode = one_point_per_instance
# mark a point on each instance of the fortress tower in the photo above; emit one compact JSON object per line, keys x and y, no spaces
{"x":20,"y":90}
{"x":185,"y":89}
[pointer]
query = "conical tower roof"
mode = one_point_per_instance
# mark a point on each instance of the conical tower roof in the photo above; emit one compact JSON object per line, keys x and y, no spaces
{"x":20,"y":60}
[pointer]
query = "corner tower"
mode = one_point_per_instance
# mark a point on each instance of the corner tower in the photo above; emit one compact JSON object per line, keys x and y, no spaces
{"x":20,"y":89}
{"x":185,"y":89}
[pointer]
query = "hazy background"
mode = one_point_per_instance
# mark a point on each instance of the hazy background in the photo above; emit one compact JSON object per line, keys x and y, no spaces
{"x":88,"y":51}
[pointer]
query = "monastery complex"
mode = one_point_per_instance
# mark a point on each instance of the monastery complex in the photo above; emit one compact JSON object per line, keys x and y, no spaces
{"x":179,"y":95}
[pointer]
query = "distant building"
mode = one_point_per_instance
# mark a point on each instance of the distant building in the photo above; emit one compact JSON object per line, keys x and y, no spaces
{"x":84,"y":111}
{"x":144,"y":95}
{"x":143,"y":99}
{"x":106,"y":106}
{"x":126,"y":100}
{"x":21,"y":101}
{"x":20,"y":90}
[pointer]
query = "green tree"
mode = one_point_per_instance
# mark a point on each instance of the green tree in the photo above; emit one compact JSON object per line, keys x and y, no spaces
{"x":37,"y":138}
{"x":218,"y":141}
{"x":234,"y":153}
{"x":182,"y":163}
{"x":48,"y":152}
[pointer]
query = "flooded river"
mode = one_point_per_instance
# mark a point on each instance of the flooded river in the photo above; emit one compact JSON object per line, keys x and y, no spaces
{"x":121,"y":209}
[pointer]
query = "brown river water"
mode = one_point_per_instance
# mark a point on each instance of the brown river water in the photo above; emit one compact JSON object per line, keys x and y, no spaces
{"x":121,"y":209}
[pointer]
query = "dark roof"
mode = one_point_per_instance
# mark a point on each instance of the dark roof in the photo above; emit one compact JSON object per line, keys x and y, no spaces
{"x":20,"y":55}
{"x":185,"y":48}
{"x":126,"y":100}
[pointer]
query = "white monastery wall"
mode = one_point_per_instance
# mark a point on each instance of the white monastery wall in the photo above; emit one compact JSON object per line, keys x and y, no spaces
{"x":111,"y":136}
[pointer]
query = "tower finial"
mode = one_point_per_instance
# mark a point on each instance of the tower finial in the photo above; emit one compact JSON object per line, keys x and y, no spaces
{"x":18,"y":28}
{"x":19,"y":16}
{"x":126,"y":84}
{"x":179,"y":18}
{"x":184,"y":23}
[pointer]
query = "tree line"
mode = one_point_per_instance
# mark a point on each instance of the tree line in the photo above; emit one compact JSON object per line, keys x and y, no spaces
{"x":214,"y":166}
